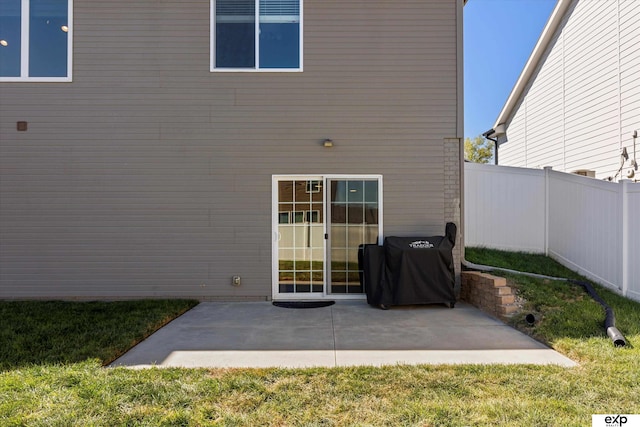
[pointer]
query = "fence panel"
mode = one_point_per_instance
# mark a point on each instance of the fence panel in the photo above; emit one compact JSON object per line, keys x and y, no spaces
{"x":585,"y":226}
{"x":633,"y":230}
{"x":504,"y":208}
{"x":590,"y":226}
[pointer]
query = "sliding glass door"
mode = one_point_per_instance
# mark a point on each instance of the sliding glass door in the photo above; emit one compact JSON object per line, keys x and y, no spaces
{"x":319,"y":224}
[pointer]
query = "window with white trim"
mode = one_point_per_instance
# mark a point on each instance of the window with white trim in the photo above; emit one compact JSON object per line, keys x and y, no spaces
{"x":312,"y":216}
{"x":314,"y":186}
{"x":256,"y":35}
{"x":284,"y":217}
{"x":35,"y":40}
{"x":298,"y":217}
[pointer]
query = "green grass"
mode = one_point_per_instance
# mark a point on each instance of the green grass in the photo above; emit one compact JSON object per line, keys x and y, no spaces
{"x":607,"y":381}
{"x":564,"y":310}
{"x":519,"y":261}
{"x":54,"y":332}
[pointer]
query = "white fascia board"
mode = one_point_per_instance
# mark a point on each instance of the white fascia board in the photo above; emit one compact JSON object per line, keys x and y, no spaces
{"x":532,"y":63}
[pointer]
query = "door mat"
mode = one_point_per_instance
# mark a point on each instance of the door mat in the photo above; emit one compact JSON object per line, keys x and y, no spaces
{"x":303,"y":304}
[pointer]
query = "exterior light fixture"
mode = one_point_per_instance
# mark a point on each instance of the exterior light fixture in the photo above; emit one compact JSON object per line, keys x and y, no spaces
{"x":4,"y":43}
{"x":64,"y":29}
{"x":327,"y":143}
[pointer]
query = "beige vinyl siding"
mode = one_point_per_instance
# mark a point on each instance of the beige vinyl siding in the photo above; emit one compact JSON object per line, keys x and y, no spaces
{"x":591,"y":98}
{"x":582,"y":103}
{"x":515,"y":154}
{"x":148,"y":175}
{"x":629,"y":71}
{"x":544,"y":112}
{"x":536,"y":131}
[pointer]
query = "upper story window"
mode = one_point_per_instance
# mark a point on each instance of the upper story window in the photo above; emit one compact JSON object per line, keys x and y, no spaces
{"x":35,"y":40}
{"x":256,"y":35}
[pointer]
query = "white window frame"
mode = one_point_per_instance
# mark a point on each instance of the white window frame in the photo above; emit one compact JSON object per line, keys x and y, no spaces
{"x":24,"y":48}
{"x":255,"y":69}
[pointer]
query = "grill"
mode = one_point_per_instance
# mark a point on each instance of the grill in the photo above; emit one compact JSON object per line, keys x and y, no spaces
{"x":410,"y":270}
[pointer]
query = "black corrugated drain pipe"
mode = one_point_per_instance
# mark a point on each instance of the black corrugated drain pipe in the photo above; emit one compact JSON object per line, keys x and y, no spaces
{"x":609,"y":319}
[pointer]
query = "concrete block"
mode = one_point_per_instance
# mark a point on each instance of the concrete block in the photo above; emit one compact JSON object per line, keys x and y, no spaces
{"x":508,"y":309}
{"x":504,"y":290}
{"x":498,"y":281}
{"x":505,"y":299}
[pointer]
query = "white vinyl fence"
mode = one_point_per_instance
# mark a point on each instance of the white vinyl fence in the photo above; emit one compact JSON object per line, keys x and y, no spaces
{"x":590,"y":226}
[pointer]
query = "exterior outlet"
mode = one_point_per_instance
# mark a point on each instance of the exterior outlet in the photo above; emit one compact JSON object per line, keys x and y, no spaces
{"x":235,"y":280}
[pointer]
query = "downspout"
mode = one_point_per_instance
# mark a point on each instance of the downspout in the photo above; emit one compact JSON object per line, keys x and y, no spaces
{"x":495,"y":145}
{"x":493,"y":135}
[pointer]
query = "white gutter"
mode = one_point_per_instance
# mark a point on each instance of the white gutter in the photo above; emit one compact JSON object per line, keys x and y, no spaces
{"x":532,"y":63}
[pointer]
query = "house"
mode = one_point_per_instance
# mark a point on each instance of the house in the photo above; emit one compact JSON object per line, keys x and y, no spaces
{"x":576,"y":105}
{"x":222,"y":149}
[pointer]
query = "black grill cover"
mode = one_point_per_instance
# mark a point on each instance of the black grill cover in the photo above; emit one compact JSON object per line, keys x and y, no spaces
{"x":372,"y":265}
{"x":410,"y":270}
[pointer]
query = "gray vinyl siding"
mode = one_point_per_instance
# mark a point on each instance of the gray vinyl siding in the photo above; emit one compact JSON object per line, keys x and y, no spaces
{"x":150,"y":176}
{"x":582,"y":103}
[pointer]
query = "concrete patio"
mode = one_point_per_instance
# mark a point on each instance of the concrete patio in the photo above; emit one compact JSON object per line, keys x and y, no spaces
{"x":349,"y":333}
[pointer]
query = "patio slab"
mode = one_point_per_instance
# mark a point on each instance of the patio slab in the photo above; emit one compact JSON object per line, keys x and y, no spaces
{"x":349,"y":333}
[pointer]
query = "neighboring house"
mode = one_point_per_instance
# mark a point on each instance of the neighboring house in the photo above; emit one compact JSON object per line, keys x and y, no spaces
{"x":576,"y":105}
{"x":158,"y":149}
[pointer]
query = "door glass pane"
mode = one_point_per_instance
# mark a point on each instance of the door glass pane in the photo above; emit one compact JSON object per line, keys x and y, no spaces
{"x":48,"y":28}
{"x":235,"y":33}
{"x":285,"y":191}
{"x":356,"y":191}
{"x":371,"y":192}
{"x":354,"y":222}
{"x":10,"y":13}
{"x":355,"y":214}
{"x":301,"y":240}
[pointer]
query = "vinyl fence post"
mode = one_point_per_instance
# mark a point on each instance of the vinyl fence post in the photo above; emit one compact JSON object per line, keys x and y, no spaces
{"x":547,"y":172}
{"x":626,"y":265}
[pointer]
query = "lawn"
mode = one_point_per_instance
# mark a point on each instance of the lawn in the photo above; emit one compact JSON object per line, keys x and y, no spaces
{"x":53,"y":390}
{"x":63,"y":332}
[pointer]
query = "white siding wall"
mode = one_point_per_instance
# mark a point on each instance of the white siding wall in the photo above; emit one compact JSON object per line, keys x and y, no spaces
{"x":591,"y":88}
{"x":516,"y":154}
{"x":544,"y":126}
{"x":583,"y":102}
{"x":629,"y":74}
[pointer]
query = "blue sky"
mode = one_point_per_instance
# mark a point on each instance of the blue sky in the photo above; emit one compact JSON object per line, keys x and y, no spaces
{"x":499,"y":36}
